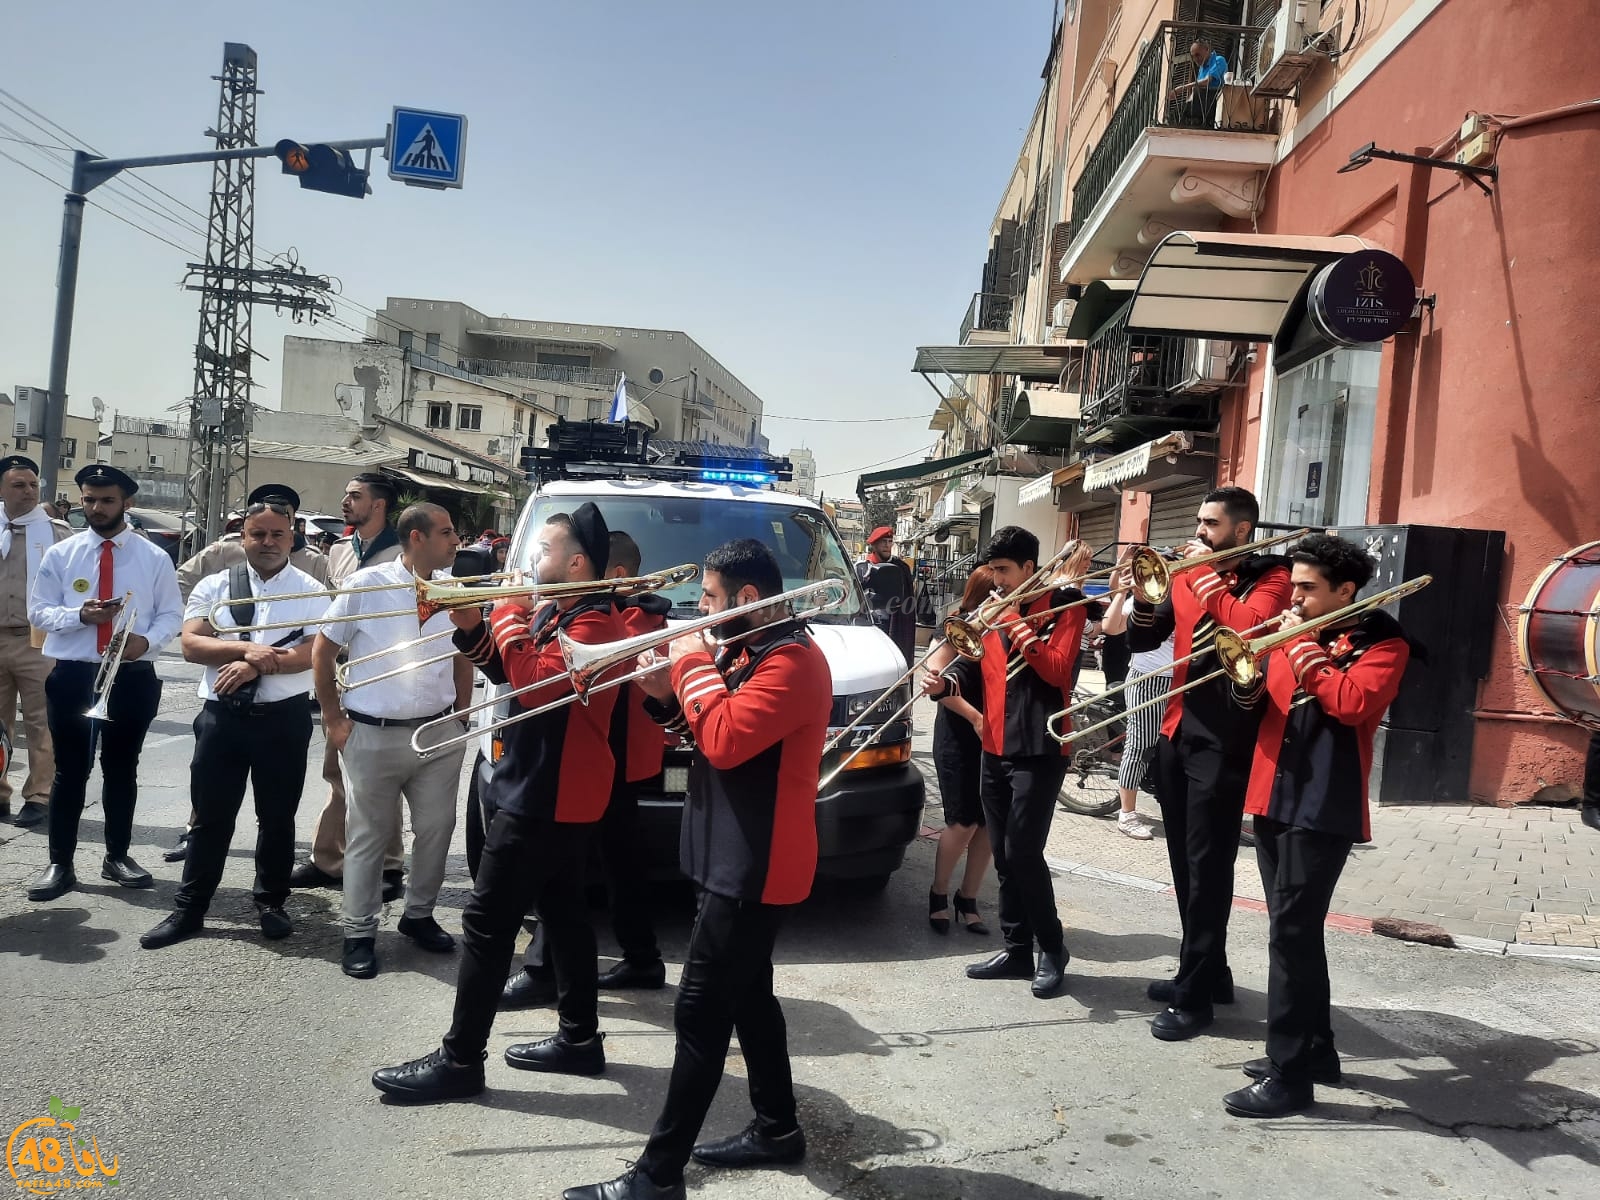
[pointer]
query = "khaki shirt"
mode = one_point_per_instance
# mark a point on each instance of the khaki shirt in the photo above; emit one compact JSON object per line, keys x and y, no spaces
{"x":342,"y":559}
{"x":228,"y":551}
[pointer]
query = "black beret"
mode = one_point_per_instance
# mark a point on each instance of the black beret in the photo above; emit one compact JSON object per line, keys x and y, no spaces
{"x":280,"y":493}
{"x":18,"y":462}
{"x":593,"y":536}
{"x":105,"y":475}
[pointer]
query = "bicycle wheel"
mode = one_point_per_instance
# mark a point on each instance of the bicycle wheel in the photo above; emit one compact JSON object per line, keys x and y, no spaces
{"x":1090,"y":788}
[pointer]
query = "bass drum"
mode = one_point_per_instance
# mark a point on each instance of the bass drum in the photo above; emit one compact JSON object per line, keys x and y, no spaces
{"x":1558,"y":634}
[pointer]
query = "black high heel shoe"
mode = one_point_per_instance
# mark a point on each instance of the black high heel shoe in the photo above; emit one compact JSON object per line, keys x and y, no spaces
{"x":938,"y":902}
{"x":967,"y":906}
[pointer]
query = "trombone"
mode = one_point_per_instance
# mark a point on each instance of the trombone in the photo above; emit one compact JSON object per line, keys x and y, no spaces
{"x":586,"y":664}
{"x":1240,"y":655}
{"x":111,"y":660}
{"x":537,"y":593}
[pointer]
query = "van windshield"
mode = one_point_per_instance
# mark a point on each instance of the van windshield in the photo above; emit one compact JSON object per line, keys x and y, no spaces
{"x":683,"y":529}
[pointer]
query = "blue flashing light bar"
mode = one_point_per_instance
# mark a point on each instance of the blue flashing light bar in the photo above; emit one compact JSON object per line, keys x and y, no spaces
{"x":753,"y":478}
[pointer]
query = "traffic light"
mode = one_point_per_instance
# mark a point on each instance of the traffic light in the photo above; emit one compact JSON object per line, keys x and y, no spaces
{"x":322,"y":168}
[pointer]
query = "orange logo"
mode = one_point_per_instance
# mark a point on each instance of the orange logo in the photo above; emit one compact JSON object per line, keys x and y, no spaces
{"x":48,"y":1154}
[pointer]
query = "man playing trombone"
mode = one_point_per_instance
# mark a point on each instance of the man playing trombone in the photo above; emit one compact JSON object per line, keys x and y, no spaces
{"x":1321,"y":696}
{"x":548,"y":790}
{"x":1203,"y":754}
{"x":108,"y":601}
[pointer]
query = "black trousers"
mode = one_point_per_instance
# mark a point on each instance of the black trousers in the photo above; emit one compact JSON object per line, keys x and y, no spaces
{"x":726,"y":988}
{"x":1591,"y":772}
{"x":1114,"y":659}
{"x":134,"y":699}
{"x":1299,"y":870}
{"x":528,"y":863}
{"x":1019,"y":801}
{"x":268,"y":751}
{"x":1201,"y":793}
{"x":625,"y":879}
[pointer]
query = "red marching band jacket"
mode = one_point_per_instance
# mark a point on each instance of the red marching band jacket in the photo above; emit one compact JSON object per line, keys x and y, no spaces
{"x":1321,"y":698}
{"x":635,"y":738}
{"x":1201,"y":600}
{"x":1015,"y":712}
{"x":759,"y":716}
{"x":558,"y":765}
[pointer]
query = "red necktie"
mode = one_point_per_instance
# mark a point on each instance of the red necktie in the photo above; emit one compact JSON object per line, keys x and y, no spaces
{"x":102,"y":633}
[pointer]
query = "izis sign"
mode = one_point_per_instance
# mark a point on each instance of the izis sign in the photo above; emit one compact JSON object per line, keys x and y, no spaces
{"x":1363,"y":297}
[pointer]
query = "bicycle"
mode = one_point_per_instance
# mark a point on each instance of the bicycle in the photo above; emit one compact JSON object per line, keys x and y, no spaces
{"x":1090,"y":788}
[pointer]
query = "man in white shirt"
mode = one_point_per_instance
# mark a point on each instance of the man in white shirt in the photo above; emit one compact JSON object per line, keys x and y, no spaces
{"x":27,"y":533}
{"x":373,"y":727}
{"x":78,"y":595}
{"x":254,"y":726}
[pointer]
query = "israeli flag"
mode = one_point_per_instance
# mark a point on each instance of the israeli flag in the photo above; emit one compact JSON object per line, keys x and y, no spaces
{"x":619,"y":402}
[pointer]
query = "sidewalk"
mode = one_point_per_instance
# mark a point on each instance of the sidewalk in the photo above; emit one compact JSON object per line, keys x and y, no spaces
{"x":1525,"y":877}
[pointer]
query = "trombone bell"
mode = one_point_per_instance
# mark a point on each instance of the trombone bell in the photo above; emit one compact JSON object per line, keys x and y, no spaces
{"x":964,"y":636}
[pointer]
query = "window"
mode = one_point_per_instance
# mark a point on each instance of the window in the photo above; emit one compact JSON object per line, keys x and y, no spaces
{"x":597,"y":409}
{"x":405,"y":339}
{"x":469,"y":418}
{"x":563,"y":406}
{"x":431,"y":345}
{"x":69,"y":447}
{"x":438,"y":416}
{"x":1323,"y":417}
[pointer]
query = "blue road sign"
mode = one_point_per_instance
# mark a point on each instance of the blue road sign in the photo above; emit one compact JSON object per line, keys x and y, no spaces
{"x":427,"y":149}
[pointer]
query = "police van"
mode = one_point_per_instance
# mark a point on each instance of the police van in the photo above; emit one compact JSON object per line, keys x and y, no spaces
{"x":679,"y":503}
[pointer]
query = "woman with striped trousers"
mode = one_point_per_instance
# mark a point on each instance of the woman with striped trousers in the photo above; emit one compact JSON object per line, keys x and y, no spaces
{"x":1151,"y":674}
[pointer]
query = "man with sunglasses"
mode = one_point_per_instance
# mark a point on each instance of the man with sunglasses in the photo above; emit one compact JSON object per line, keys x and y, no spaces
{"x":254,"y":725}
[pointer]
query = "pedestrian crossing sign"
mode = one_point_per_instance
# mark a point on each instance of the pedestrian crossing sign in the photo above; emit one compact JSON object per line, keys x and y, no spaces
{"x":427,"y":149}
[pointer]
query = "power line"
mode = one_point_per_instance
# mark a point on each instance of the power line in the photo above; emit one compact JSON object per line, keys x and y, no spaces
{"x":885,"y":462}
{"x":111,"y":212}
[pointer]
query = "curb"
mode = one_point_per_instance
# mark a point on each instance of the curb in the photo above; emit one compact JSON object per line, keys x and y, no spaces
{"x":1347,"y":922}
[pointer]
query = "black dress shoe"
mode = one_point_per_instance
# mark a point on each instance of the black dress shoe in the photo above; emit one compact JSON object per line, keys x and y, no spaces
{"x":1180,"y":1024}
{"x":627,"y":974}
{"x":1005,"y":965}
{"x":525,"y":990}
{"x":1052,"y":973}
{"x":635,"y":1185}
{"x":32,"y":813}
{"x":394,"y":886}
{"x":124,"y":871}
{"x":752,"y":1148}
{"x":1165,"y":991}
{"x":1270,"y":1097}
{"x":180,"y":849}
{"x":53,"y":881}
{"x":559,"y":1056}
{"x":177,"y":927}
{"x":360,"y":958}
{"x":1591,"y":815}
{"x":431,"y":1078}
{"x":309,"y":875}
{"x":426,"y":932}
{"x":1324,"y":1068}
{"x":275,"y":923}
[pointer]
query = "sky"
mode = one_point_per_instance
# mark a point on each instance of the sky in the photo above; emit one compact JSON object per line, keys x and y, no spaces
{"x":805,"y":189}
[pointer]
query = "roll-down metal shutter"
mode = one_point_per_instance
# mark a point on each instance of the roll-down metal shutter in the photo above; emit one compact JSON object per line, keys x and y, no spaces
{"x":1098,"y":527}
{"x":1172,"y":513}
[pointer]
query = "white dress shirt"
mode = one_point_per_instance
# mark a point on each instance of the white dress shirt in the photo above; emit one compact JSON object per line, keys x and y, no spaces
{"x":309,"y":609}
{"x":69,"y":574}
{"x":420,"y":692}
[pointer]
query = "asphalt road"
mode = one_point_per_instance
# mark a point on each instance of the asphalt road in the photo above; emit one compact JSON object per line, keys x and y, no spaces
{"x":230,"y":1067}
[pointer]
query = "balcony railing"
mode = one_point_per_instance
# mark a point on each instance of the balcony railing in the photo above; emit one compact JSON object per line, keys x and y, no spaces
{"x":509,"y":368}
{"x":1158,"y":96}
{"x":988,"y":311}
{"x":1143,"y":378}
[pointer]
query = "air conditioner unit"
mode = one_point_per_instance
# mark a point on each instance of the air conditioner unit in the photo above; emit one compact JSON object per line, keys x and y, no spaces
{"x":22,"y":429}
{"x":1061,"y":314}
{"x":157,"y":462}
{"x":1282,"y":57}
{"x":1212,"y":365}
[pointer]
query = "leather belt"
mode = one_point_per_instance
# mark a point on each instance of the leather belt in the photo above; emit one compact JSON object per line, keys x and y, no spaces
{"x":395,"y":722}
{"x":255,"y":710}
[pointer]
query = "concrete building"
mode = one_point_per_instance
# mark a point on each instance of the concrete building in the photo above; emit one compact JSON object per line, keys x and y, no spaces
{"x":804,"y":481}
{"x":22,"y":432}
{"x":571,"y":368}
{"x":1233,"y":301}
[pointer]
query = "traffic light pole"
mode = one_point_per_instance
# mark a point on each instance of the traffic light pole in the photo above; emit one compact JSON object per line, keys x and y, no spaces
{"x":89,"y":172}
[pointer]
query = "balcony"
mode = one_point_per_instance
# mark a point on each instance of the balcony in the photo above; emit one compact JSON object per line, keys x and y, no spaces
{"x":510,"y":368}
{"x":987,"y":321}
{"x":1168,"y":159}
{"x":1137,"y":386}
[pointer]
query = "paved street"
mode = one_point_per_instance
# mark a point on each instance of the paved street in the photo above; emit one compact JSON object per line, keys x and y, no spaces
{"x":229,"y":1067}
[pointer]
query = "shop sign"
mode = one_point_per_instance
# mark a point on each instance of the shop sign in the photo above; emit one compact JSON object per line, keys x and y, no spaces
{"x":1362,"y":298}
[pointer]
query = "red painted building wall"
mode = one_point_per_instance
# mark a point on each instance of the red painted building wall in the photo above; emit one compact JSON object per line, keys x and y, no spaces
{"x":1488,"y":412}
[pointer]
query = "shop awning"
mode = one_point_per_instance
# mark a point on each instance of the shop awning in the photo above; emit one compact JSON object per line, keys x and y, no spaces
{"x":1098,"y":304}
{"x":1038,"y":489}
{"x":1043,"y":415}
{"x":1038,"y":363}
{"x":1154,"y":466}
{"x":1228,"y":285}
{"x":423,"y":479}
{"x":922,"y":472}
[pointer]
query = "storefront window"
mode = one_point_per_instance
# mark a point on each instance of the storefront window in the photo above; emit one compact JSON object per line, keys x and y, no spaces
{"x":1320,"y":455}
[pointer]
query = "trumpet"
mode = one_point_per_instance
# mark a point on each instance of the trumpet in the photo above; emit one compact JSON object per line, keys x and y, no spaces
{"x":111,"y":660}
{"x":1240,"y":655}
{"x":587,"y":664}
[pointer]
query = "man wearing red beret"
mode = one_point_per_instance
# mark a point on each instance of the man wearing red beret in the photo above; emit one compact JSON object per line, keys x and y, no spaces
{"x":890,"y":591}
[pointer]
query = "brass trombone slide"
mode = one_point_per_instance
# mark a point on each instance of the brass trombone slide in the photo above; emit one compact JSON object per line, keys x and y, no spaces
{"x":586,"y":664}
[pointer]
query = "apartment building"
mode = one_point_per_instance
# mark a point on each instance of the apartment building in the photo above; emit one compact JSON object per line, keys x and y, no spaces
{"x":22,"y":432}
{"x":804,"y":480}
